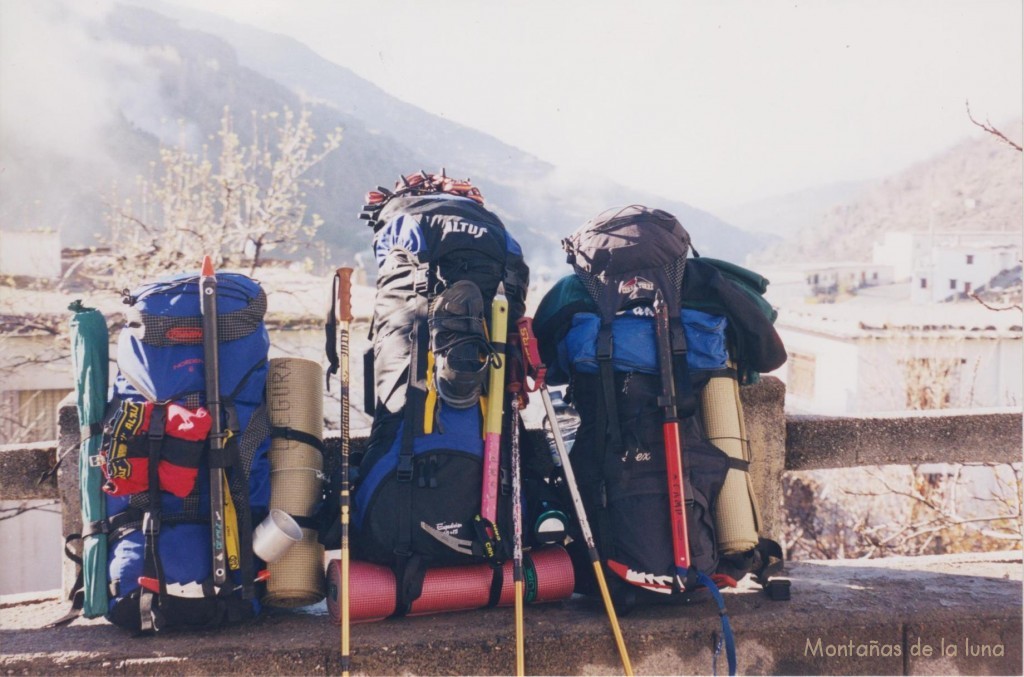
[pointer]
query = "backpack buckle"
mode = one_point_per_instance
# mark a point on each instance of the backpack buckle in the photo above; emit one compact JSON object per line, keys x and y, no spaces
{"x":604,"y":343}
{"x":421,"y":279}
{"x":150,"y":524}
{"x":404,"y":470}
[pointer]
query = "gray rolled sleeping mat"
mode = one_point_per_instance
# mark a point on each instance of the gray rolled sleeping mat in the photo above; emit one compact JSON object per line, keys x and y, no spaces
{"x":295,"y":389}
{"x":737,"y":518}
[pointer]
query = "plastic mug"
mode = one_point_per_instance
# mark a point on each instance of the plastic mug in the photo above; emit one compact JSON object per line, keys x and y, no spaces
{"x":274,"y":535}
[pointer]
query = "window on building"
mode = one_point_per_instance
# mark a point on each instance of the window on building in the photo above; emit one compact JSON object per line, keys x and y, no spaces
{"x":970,"y":259}
{"x":924,"y":283}
{"x":800,"y":375}
{"x":874,"y":275}
{"x":967,"y":287}
{"x":952,"y":284}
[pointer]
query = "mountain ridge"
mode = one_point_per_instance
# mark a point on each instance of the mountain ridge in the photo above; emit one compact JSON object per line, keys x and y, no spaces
{"x":163,"y":68}
{"x":975,"y":185}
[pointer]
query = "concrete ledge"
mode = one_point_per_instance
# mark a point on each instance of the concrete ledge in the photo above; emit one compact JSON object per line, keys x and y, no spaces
{"x":814,"y":442}
{"x":846,"y":617}
{"x":22,"y":466}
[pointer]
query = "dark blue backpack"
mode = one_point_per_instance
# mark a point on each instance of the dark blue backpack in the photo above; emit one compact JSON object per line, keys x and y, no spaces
{"x":155,"y":455}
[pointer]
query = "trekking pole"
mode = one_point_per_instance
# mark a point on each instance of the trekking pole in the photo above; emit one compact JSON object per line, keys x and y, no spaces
{"x":211,"y":367}
{"x":344,"y":282}
{"x":495,"y":404}
{"x":537,"y":370}
{"x":673,"y":445}
{"x":517,"y":535}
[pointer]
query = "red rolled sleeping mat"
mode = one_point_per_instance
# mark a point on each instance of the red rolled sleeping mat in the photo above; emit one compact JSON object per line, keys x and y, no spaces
{"x":547,"y":574}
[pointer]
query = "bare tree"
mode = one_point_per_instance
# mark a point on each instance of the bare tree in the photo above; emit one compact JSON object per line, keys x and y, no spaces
{"x":918,"y":510}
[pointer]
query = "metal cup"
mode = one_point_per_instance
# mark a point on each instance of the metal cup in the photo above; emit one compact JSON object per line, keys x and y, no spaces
{"x":274,"y":535}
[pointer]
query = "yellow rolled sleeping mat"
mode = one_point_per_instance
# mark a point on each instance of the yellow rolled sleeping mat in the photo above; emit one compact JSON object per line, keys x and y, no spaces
{"x":737,"y":518}
{"x":295,"y":403}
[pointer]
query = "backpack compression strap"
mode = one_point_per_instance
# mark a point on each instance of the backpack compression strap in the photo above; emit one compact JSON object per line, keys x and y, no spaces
{"x":151,"y":527}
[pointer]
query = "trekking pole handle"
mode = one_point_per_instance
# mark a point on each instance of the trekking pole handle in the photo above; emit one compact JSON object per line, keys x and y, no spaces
{"x":535,"y":369}
{"x":344,"y":294}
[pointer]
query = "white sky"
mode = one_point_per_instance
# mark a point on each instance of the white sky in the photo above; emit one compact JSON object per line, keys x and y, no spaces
{"x":713,"y":103}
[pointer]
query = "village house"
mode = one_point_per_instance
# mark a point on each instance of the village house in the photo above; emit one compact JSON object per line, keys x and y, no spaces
{"x":881,"y":357}
{"x":940,"y":266}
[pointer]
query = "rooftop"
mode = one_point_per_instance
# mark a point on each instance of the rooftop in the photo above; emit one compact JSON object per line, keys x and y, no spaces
{"x":880,"y":317}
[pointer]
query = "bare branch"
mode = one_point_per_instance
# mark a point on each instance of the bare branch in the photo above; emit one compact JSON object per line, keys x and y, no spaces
{"x":987,"y":126}
{"x":977,"y":298}
{"x":11,"y":513}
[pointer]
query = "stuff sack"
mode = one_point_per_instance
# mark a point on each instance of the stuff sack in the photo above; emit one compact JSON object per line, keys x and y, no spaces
{"x":155,"y":454}
{"x":442,"y":259}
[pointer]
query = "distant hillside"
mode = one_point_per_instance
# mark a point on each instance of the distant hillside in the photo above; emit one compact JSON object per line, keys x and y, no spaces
{"x":153,"y":70}
{"x":785,"y":215}
{"x":976,"y":185}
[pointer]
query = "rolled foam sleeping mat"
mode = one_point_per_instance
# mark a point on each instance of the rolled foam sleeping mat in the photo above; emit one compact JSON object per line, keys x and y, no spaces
{"x":297,"y":578}
{"x":736,"y":520}
{"x":295,"y":401}
{"x":547,"y":574}
{"x":295,"y":395}
{"x":296,"y":480}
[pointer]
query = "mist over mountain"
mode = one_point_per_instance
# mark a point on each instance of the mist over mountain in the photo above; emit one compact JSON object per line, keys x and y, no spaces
{"x":976,"y":185}
{"x":785,"y":215}
{"x":148,"y":78}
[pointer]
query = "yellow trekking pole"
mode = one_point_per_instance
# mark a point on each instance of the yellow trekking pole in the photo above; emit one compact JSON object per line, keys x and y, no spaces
{"x":536,"y":369}
{"x":343,"y":279}
{"x":495,"y":402}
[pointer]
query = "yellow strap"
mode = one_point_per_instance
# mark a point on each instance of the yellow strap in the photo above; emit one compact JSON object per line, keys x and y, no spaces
{"x":431,"y":402}
{"x":230,"y":528}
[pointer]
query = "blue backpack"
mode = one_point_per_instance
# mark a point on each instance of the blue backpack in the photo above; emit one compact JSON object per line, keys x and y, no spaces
{"x":154,"y":456}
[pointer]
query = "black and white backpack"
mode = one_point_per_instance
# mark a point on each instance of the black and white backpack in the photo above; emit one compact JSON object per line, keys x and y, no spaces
{"x":442,"y":259}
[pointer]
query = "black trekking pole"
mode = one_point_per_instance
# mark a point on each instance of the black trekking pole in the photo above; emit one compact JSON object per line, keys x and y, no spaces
{"x":515,"y":387}
{"x":537,"y":370}
{"x":218,"y":438}
{"x":344,"y":284}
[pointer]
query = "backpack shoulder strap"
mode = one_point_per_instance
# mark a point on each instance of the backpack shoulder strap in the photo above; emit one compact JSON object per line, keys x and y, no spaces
{"x":610,"y":407}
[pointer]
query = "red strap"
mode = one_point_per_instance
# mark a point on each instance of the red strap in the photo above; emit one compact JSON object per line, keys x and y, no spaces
{"x":535,"y":369}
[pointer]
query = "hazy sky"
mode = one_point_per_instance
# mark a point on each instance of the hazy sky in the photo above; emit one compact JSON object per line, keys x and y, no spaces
{"x":713,"y":103}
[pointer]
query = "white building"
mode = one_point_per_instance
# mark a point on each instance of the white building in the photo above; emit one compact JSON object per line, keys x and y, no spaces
{"x":942,"y":265}
{"x":845,"y":276}
{"x":863,"y":358}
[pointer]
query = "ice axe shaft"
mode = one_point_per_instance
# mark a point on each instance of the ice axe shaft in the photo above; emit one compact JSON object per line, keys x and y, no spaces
{"x":673,"y":444}
{"x":211,"y":367}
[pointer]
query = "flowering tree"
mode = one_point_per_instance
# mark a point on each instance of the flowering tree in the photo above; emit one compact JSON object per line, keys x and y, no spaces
{"x":234,"y":200}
